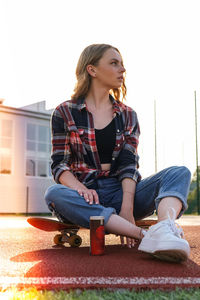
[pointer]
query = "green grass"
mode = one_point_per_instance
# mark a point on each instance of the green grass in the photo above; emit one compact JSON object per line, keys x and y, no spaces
{"x":178,"y":294}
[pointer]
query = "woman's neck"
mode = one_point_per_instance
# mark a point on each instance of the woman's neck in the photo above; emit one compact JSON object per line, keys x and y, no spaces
{"x":97,"y":99}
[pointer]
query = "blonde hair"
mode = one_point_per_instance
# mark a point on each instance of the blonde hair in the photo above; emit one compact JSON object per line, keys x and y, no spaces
{"x":91,"y":55}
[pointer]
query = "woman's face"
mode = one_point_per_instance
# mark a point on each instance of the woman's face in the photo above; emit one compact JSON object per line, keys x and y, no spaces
{"x":110,"y":69}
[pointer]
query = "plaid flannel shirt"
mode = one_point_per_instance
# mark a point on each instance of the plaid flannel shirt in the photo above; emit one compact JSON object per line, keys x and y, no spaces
{"x":74,"y":146}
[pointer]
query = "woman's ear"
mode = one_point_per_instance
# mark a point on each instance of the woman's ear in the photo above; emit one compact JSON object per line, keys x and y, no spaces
{"x":91,"y":70}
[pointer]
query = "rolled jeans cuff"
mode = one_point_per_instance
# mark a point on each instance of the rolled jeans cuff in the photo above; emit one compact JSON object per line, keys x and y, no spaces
{"x":107,"y":212}
{"x":172,"y":194}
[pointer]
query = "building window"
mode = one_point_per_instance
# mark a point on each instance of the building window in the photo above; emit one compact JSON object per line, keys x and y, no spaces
{"x":38,"y":144}
{"x":6,"y":138}
{"x":30,"y":167}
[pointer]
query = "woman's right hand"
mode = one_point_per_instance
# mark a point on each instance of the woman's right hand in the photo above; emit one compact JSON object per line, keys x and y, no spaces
{"x":89,"y":195}
{"x":69,"y":180}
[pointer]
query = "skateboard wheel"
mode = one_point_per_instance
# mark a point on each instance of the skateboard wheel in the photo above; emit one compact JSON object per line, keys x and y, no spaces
{"x":75,"y":240}
{"x":58,"y":239}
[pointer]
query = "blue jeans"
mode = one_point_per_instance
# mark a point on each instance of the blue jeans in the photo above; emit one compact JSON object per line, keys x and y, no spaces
{"x":69,"y":205}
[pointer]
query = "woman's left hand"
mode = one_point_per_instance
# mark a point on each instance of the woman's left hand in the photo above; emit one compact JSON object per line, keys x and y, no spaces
{"x":129,"y":217}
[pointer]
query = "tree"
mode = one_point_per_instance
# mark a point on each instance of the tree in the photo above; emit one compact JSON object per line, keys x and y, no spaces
{"x":192,"y":197}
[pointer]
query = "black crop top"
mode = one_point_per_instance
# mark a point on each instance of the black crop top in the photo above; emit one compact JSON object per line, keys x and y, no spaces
{"x":105,"y":140}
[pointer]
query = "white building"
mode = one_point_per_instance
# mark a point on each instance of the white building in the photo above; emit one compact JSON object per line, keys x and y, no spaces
{"x":25,"y":144}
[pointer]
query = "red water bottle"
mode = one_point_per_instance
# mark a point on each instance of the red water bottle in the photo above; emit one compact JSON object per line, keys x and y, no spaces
{"x":97,"y":235}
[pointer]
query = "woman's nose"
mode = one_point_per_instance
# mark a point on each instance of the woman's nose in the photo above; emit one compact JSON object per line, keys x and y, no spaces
{"x":123,"y":69}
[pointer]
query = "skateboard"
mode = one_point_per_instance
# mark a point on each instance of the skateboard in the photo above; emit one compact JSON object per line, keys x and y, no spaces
{"x":68,"y":232}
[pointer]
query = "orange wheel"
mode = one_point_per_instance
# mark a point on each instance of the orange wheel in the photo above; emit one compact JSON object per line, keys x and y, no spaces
{"x":75,"y":241}
{"x":58,"y":239}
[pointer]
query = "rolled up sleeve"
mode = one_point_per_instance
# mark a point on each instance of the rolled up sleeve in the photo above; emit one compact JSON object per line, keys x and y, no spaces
{"x":128,"y":159}
{"x":61,"y":151}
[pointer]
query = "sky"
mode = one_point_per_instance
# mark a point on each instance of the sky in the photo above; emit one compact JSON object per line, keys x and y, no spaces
{"x":41,"y":41}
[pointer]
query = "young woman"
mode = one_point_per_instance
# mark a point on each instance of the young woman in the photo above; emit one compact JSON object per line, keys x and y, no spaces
{"x":95,"y":162}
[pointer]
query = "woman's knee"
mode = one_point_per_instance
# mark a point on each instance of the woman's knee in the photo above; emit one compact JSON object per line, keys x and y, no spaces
{"x":184,"y":172}
{"x":179,"y":171}
{"x":56,"y":192}
{"x":51,"y":192}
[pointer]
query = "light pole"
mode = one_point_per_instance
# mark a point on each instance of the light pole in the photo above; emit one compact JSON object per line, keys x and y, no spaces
{"x":155,"y":136}
{"x":197,"y":163}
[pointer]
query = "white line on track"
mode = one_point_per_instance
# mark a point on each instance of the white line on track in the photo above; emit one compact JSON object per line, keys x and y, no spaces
{"x":6,"y":282}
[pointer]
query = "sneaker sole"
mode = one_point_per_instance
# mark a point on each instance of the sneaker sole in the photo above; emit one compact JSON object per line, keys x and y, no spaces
{"x":179,"y":253}
{"x":176,"y":256}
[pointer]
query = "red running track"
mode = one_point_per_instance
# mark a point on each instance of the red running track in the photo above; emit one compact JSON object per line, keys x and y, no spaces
{"x":28,"y":258}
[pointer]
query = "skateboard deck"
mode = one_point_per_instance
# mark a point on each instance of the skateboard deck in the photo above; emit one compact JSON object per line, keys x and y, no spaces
{"x":146,"y":223}
{"x":50,"y":224}
{"x":68,"y":232}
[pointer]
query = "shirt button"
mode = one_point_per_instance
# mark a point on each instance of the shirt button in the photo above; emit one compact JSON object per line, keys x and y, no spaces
{"x":113,"y":158}
{"x":117,"y":130}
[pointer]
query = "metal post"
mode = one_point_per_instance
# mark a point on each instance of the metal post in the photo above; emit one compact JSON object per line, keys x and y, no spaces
{"x":155,"y":136}
{"x":197,"y":163}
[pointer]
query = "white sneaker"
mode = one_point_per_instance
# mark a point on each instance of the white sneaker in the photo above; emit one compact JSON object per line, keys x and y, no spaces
{"x":164,"y":241}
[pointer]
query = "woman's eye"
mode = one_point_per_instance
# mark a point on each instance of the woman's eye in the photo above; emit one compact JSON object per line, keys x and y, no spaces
{"x":113,"y":63}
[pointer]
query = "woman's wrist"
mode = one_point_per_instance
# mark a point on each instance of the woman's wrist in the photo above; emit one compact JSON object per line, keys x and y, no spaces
{"x":79,"y":187}
{"x":69,"y":180}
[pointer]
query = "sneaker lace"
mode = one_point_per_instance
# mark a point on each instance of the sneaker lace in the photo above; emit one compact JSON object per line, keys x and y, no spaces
{"x":175,"y":227}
